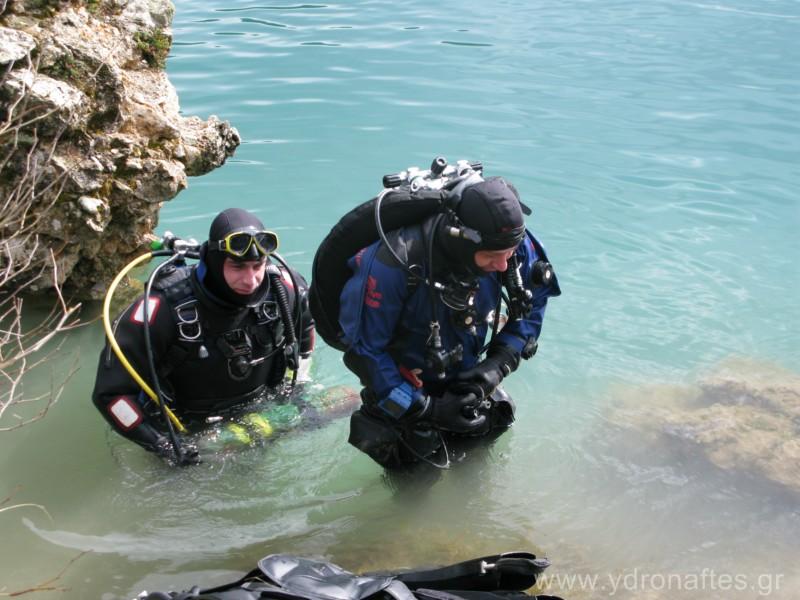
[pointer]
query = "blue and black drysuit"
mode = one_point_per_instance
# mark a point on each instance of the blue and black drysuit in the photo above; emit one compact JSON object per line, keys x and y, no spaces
{"x":386,"y":315}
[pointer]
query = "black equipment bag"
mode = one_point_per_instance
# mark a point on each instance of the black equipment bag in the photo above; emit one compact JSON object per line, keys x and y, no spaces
{"x":287,"y":577}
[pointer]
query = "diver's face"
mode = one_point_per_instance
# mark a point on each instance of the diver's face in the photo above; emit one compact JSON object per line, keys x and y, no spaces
{"x":244,"y":277}
{"x":493,"y":260}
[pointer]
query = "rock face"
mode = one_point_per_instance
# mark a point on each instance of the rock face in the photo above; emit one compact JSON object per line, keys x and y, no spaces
{"x":106,"y":139}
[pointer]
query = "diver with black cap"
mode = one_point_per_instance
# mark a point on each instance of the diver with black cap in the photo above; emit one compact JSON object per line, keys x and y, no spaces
{"x":417,"y":305}
{"x":216,"y":334}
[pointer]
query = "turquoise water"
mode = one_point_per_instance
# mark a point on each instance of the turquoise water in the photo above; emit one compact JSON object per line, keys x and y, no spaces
{"x":658,"y":145}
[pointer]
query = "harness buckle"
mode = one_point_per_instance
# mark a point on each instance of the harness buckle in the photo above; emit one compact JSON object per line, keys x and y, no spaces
{"x":188,"y":320}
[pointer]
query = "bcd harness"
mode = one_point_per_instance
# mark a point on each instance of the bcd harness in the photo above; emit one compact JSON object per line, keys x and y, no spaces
{"x":261,"y":333}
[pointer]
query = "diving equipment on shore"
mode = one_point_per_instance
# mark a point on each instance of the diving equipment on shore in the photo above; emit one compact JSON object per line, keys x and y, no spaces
{"x":287,"y":577}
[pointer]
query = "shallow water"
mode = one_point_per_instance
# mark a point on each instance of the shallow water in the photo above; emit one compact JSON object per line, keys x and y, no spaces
{"x":658,"y":144}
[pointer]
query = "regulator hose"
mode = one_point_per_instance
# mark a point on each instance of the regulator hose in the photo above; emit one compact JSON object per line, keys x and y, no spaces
{"x":148,"y":345}
{"x":293,"y":356}
{"x":113,"y":342}
{"x":297,"y":309}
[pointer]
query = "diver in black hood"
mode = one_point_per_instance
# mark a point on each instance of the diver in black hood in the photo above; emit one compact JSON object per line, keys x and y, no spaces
{"x":415,"y":315}
{"x":223,"y":331}
{"x":237,"y":239}
{"x":492,"y":209}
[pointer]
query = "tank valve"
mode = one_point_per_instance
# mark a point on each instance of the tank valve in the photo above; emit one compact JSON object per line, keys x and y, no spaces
{"x":438,"y":166}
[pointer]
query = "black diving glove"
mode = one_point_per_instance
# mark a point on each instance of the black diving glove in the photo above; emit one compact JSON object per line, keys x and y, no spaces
{"x":456,"y":412}
{"x":189,"y":455}
{"x":483,"y":378}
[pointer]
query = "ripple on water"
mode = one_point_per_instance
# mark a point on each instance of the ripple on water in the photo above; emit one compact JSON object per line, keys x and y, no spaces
{"x":273,"y":7}
{"x":468,"y":44}
{"x":265,"y":22}
{"x":689,"y":185}
{"x":657,"y":143}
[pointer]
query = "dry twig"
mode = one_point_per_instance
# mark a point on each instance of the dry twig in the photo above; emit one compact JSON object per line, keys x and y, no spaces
{"x":30,"y":185}
{"x":48,"y":585}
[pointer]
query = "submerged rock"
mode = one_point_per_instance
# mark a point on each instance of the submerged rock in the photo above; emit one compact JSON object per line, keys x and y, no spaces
{"x":744,"y":416}
{"x":105,"y":140}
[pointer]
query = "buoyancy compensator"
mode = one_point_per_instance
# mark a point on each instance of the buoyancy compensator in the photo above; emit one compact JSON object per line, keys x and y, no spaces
{"x":408,"y":198}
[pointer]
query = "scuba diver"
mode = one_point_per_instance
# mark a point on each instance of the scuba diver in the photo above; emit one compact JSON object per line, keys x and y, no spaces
{"x":215,"y":335}
{"x":426,"y":265}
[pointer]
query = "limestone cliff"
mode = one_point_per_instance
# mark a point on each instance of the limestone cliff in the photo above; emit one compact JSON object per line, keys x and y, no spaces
{"x":85,"y":103}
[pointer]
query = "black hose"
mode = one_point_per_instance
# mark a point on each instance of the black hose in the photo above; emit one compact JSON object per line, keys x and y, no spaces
{"x":290,"y":334}
{"x":149,"y":349}
{"x":297,"y":308}
{"x":432,"y":294}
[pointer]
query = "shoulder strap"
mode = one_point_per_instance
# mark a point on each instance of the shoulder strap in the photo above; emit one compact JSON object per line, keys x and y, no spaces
{"x":410,"y":245}
{"x":177,"y":289}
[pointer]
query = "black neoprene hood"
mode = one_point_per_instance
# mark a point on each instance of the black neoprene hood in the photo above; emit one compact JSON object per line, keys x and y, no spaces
{"x":233,"y":220}
{"x":492,"y":207}
{"x":229,"y":221}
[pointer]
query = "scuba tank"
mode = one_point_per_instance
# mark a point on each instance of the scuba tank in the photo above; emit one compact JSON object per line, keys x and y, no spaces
{"x":259,"y":425}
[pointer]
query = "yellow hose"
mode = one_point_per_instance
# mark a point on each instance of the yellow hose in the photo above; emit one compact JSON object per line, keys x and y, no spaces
{"x":115,"y":346}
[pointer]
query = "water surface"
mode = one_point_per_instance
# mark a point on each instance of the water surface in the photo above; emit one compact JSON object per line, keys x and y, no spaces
{"x":658,"y":144}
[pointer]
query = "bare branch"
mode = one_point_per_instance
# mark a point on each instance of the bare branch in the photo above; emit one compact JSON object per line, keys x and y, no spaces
{"x":8,"y":498}
{"x":49,"y":584}
{"x":19,"y":351}
{"x":31,"y":182}
{"x":50,"y":399}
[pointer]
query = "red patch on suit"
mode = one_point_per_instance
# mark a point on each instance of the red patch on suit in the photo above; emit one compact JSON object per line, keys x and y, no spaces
{"x":137,"y":316}
{"x":373,"y":297}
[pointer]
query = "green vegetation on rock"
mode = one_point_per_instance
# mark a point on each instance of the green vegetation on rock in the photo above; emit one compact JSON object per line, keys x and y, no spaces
{"x":154,"y":46}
